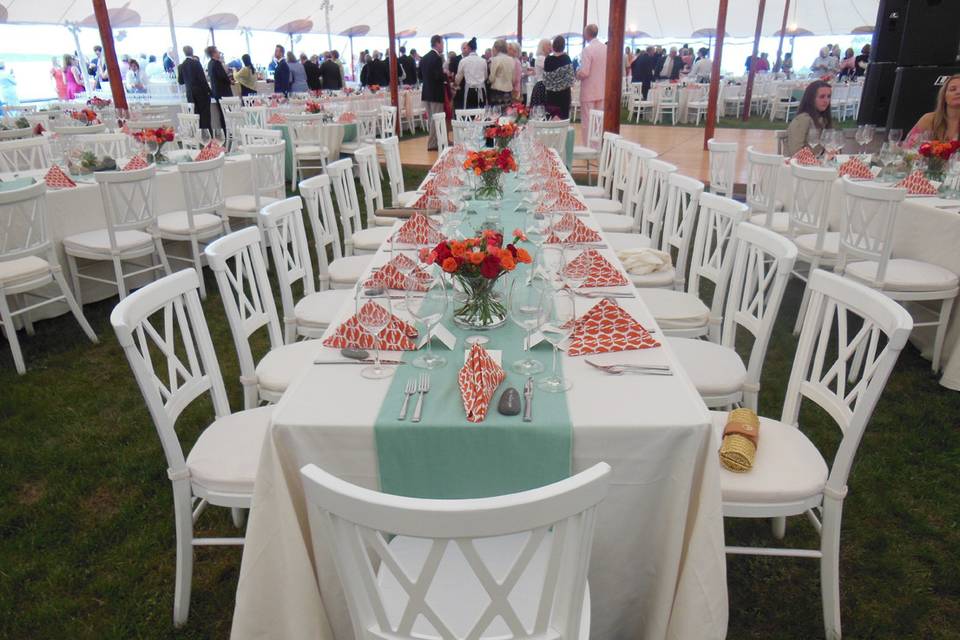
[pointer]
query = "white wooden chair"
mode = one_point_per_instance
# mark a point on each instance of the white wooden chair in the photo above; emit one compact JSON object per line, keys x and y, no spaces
{"x":589,"y":153}
{"x":256,"y":116}
{"x":440,"y":125}
{"x":237,"y":262}
{"x":231,"y":104}
{"x":666,"y":101}
{"x":268,"y":182}
{"x":255,"y":136}
{"x":636,"y":105}
{"x":27,"y":154}
{"x":866,"y":244}
{"x":388,"y":122}
{"x":467,"y":115}
{"x":203,"y":218}
{"x":28,"y":262}
{"x":309,"y":149}
{"x":512,"y":567}
{"x":357,"y":239}
{"x":188,"y":130}
{"x":790,"y":476}
{"x":367,"y":124}
{"x":783,"y":102}
{"x":398,"y":196}
{"x":368,"y":170}
{"x":723,"y":165}
{"x":467,"y":131}
{"x":605,"y":167}
{"x":761,"y":269}
{"x":164,"y":335}
{"x":699,"y":103}
{"x":763,"y":176}
{"x":233,"y":121}
{"x":154,"y":123}
{"x":649,"y":212}
{"x":129,"y":202}
{"x":621,"y":213}
{"x":552,"y":133}
{"x":115,"y":145}
{"x":733,"y":97}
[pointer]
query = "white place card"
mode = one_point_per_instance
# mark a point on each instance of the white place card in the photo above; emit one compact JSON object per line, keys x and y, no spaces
{"x":440,"y":333}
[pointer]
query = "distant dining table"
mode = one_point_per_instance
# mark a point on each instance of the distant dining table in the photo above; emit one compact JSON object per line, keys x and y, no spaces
{"x":658,"y":567}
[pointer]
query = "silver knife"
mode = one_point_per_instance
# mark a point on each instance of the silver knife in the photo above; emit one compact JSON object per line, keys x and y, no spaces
{"x":528,"y":400}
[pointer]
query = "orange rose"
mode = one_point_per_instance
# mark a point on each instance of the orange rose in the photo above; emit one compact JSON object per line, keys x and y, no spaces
{"x":494,"y":250}
{"x":506,"y":261}
{"x":450,"y":265}
{"x":523,"y":256}
{"x":476,"y":257}
{"x":457,"y":249}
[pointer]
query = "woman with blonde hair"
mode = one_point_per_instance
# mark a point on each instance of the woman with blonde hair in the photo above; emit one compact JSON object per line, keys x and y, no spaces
{"x":538,"y":94}
{"x":943,"y":123}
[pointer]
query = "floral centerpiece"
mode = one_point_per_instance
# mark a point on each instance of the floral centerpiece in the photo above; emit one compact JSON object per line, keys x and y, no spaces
{"x":519,"y":112}
{"x":98,"y":103}
{"x":160,"y":136}
{"x":374,"y":88}
{"x":477,"y":264}
{"x":502,"y":132}
{"x":937,"y":154}
{"x":313,"y":106}
{"x":490,"y":165}
{"x":87,"y":116}
{"x":19,"y":123}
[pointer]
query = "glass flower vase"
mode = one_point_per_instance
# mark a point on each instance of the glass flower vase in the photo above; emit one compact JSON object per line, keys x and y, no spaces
{"x":479,"y":303}
{"x":489,"y":186}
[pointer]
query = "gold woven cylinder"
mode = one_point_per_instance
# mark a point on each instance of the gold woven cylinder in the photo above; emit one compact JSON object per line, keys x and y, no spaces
{"x":737,"y":452}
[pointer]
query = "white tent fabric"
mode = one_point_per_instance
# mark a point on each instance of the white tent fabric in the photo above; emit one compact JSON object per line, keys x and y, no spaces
{"x":659,"y":18}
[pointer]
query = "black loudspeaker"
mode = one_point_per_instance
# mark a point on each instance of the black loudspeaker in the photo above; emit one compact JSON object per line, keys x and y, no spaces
{"x":914,"y":94}
{"x":888,"y":34}
{"x":917,"y":32}
{"x":877,"y":92}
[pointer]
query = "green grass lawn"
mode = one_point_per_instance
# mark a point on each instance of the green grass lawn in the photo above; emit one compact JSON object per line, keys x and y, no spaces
{"x":87,"y":531}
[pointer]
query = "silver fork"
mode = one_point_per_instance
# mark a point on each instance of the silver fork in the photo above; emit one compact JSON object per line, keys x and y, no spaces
{"x":423,"y":387}
{"x":620,"y":369}
{"x":602,"y":294}
{"x":408,"y":391}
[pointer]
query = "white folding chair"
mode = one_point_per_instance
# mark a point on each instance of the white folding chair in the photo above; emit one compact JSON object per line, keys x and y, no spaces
{"x":866,"y":244}
{"x":164,"y":335}
{"x":589,"y":153}
{"x":763,"y":176}
{"x":605,"y":169}
{"x":398,"y":196}
{"x":761,"y":269}
{"x":28,"y":262}
{"x":443,"y":137}
{"x":723,"y":165}
{"x":789,"y":475}
{"x":28,"y":154}
{"x":512,"y":567}
{"x":129,"y":202}
{"x":357,"y":239}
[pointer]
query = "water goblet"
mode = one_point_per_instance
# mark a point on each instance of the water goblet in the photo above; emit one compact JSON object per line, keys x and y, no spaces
{"x":152,"y":148}
{"x":557,"y":326}
{"x":428,"y":308}
{"x":894,"y":136}
{"x":888,"y":156}
{"x":374,"y":314}
{"x":526,"y":311}
{"x":574,"y":274}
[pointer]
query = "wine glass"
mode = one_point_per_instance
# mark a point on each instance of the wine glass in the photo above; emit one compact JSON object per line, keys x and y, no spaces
{"x":204,"y":137}
{"x":374,"y":314}
{"x":219,"y":136}
{"x":894,"y":136}
{"x":526,"y":311}
{"x":428,"y":307}
{"x":557,"y":325}
{"x":152,"y":148}
{"x":536,"y":226}
{"x":574,"y":274}
{"x":888,"y":155}
{"x":813,"y":138}
{"x":550,"y":263}
{"x":833,"y":141}
{"x":869,"y":131}
{"x":563,"y":226}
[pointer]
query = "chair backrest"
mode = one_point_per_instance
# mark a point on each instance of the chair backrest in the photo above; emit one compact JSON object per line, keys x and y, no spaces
{"x":28,"y":154}
{"x":683,"y":200}
{"x":831,"y":337}
{"x":115,"y":145}
{"x":234,"y":121}
{"x":129,"y":199}
{"x":723,"y":161}
{"x":391,"y":153}
{"x":367,"y":122}
{"x":323,"y":222}
{"x":345,"y":190}
{"x":202,"y":187}
{"x":440,"y":125}
{"x":164,"y":335}
{"x":809,"y":211}
{"x":714,"y":246}
{"x":237,"y":263}
{"x":552,"y":528}
{"x":283,"y":222}
{"x":253,"y":135}
{"x":186,"y":107}
{"x":23,"y":223}
{"x":268,"y":170}
{"x":654,"y":202}
{"x":76,"y":128}
{"x":606,"y":165}
{"x":634,"y":178}
{"x":866,"y":230}
{"x":552,"y":133}
{"x":595,"y":129}
{"x":763,"y":175}
{"x":231,"y":104}
{"x":468,"y":114}
{"x":369,"y":169}
{"x":761,"y":268}
{"x":466,"y":131}
{"x":256,"y":116}
{"x":388,"y":121}
{"x":155,"y":123}
{"x":669,"y":95}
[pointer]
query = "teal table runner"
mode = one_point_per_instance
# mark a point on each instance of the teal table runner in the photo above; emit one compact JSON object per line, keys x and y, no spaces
{"x":568,"y":153}
{"x":16,"y":183}
{"x":349,"y":135}
{"x":444,"y":456}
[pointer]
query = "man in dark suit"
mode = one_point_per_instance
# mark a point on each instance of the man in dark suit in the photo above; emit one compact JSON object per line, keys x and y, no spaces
{"x":312,"y":69}
{"x":408,"y":67}
{"x":331,"y":78}
{"x":642,"y":70}
{"x":281,"y":73}
{"x":379,"y":71}
{"x":191,"y":76}
{"x":219,"y":82}
{"x":433,"y":78}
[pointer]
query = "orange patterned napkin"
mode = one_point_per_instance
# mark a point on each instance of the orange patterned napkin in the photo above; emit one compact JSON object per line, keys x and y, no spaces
{"x":856,"y":169}
{"x":209,"y":152}
{"x":135,"y":163}
{"x":276,"y":118}
{"x":432,"y":201}
{"x":347,"y":117}
{"x":390,"y":276}
{"x":605,"y":328}
{"x":601,"y":272}
{"x":805,"y":157}
{"x":563,"y":201}
{"x":419,"y":229}
{"x":396,"y":336}
{"x":917,"y":185}
{"x":479,"y":379}
{"x":57,"y":179}
{"x":580,"y":233}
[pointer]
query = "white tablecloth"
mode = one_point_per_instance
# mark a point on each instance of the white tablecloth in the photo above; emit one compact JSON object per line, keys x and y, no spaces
{"x":922,"y":232}
{"x":658,"y":566}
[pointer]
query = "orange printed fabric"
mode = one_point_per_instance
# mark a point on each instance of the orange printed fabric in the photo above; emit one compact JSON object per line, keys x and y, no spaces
{"x":396,"y":336}
{"x":564,"y":201}
{"x":580,"y":233}
{"x":917,"y":185}
{"x":601,"y":273}
{"x":57,"y":179}
{"x":606,"y":328}
{"x":209,"y":152}
{"x":276,"y":118}
{"x":805,"y":157}
{"x":418,"y":230}
{"x":391,"y":277}
{"x":479,"y":379}
{"x":856,"y":169}
{"x":135,"y":163}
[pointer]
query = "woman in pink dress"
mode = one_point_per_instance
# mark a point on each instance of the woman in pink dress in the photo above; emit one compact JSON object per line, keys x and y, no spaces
{"x":58,"y":80}
{"x":73,"y":79}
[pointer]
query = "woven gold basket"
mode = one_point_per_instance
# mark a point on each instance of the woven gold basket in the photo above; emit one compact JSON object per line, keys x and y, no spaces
{"x":738,"y":451}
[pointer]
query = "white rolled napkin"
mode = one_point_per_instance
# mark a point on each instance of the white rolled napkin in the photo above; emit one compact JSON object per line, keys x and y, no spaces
{"x":640,"y":262}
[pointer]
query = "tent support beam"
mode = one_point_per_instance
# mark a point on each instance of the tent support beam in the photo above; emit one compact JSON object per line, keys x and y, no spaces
{"x":520,"y":26}
{"x":173,"y":34}
{"x":110,"y":53}
{"x":748,"y":93}
{"x":614,"y":77}
{"x":783,"y":29}
{"x":585,"y":7}
{"x":394,"y":74}
{"x":715,"y":75}
{"x":213,"y":38}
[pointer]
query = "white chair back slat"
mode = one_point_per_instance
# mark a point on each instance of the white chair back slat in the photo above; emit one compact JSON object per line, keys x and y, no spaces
{"x":606,"y":165}
{"x":723,"y":159}
{"x":595,"y":129}
{"x":348,"y":205}
{"x":391,"y":153}
{"x":655,"y":195}
{"x":683,"y":200}
{"x":23,"y":223}
{"x":369,"y":170}
{"x":762,"y":177}
{"x":866,"y":230}
{"x":28,"y":154}
{"x":323,"y":221}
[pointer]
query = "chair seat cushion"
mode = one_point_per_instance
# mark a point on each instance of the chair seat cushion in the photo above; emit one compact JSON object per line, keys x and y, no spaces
{"x":246,"y":202}
{"x":99,"y":241}
{"x":227,"y":453}
{"x":285,"y":363}
{"x":614,"y":222}
{"x":655,"y":280}
{"x":23,"y":270}
{"x":310,"y":150}
{"x":176,"y":222}
{"x":588,"y":191}
{"x":604,"y":205}
{"x":371,"y":239}
{"x":807,"y":244}
{"x":714,"y":369}
{"x":787,"y":468}
{"x":619,"y":240}
{"x":781,"y":221}
{"x":349,"y":269}
{"x":676,"y":309}
{"x":906,"y":275}
{"x":580,"y":152}
{"x":351,"y":147}
{"x":319,"y":309}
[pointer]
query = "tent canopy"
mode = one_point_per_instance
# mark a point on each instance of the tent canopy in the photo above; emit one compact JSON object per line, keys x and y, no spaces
{"x":659,"y":18}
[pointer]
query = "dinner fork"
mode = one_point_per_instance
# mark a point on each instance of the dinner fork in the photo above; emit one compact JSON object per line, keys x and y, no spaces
{"x":620,"y":369}
{"x":423,"y":387}
{"x":408,"y":391}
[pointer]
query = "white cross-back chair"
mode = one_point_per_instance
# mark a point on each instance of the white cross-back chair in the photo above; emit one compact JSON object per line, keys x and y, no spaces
{"x":129,"y":202}
{"x":699,"y":102}
{"x":115,"y":145}
{"x":790,"y":476}
{"x":667,"y":101}
{"x":388,"y":121}
{"x":256,"y":116}
{"x":28,"y":154}
{"x":367,"y":124}
{"x":357,"y":239}
{"x":734,"y":97}
{"x":761,"y":269}
{"x":28,"y":262}
{"x":151,"y":123}
{"x":164,"y":335}
{"x":268,"y":181}
{"x":233,"y":122}
{"x":71,"y":127}
{"x":258,"y":136}
{"x":552,"y":133}
{"x":783,"y":102}
{"x":443,"y":136}
{"x":231,"y":104}
{"x":237,"y":262}
{"x":511,"y":567}
{"x":467,"y":115}
{"x":307,"y":134}
{"x":466,"y":131}
{"x":186,"y":107}
{"x":723,"y":163}
{"x":398,"y":196}
{"x":637,"y":106}
{"x":379,"y":227}
{"x":589,"y":152}
{"x":763,"y":175}
{"x":605,"y":168}
{"x":649,"y":213}
{"x":866,"y":247}
{"x":203,"y":219}
{"x":621,"y":213}
{"x":188,"y":130}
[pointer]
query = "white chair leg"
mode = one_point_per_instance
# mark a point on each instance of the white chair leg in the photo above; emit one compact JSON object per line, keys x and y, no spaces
{"x":74,"y":307}
{"x":162,"y":253}
{"x":778,"y":527}
{"x":945,"y":308}
{"x":11,"y":332}
{"x":75,"y":277}
{"x":251,"y":395}
{"x":238,"y":516}
{"x":27,"y":321}
{"x":830,"y":566}
{"x":118,"y":274}
{"x":198,"y":265}
{"x":184,"y":526}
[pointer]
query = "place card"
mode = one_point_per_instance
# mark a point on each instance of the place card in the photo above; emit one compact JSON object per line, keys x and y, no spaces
{"x":440,"y":333}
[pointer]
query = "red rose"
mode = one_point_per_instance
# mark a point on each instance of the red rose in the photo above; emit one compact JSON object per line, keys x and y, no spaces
{"x":490,"y":267}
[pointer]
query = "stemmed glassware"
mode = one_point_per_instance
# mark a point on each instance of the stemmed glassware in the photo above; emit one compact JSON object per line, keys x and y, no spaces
{"x":557,"y":326}
{"x":219,"y":137}
{"x":428,"y":308}
{"x":204,"y":137}
{"x":813,"y":138}
{"x":550,"y":263}
{"x":894,"y":136}
{"x":832,"y":141}
{"x":152,"y":148}
{"x":374,"y":314}
{"x":888,"y":156}
{"x":574,"y":273}
{"x":527,"y":308}
{"x":864,"y":136}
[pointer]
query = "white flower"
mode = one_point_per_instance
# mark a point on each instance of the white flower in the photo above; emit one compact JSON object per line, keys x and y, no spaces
{"x":504,"y":120}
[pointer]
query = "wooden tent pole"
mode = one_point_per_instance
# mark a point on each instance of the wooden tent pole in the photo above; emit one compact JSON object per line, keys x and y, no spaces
{"x":748,"y":94}
{"x":614,"y":79}
{"x":520,"y":25}
{"x":110,"y":53}
{"x":394,"y":74}
{"x":783,"y":29}
{"x":715,"y":75}
{"x":585,"y":7}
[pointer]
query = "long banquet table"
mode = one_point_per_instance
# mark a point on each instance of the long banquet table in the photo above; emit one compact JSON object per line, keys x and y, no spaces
{"x":658,"y":564}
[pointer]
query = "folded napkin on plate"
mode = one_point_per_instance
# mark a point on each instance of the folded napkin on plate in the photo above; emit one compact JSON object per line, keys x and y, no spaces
{"x":403,"y":212}
{"x":601,"y":273}
{"x":739,"y":447}
{"x":479,"y":379}
{"x":396,"y":336}
{"x":856,"y":169}
{"x":445,"y":179}
{"x":276,"y":118}
{"x":209,"y":152}
{"x":390,"y":276}
{"x":419,"y":229}
{"x":917,"y":185}
{"x":805,"y":157}
{"x":135,"y":163}
{"x":580,"y":233}
{"x":427,"y":201}
{"x":640,"y":262}
{"x":561,"y":201}
{"x":57,"y":179}
{"x":347,"y":118}
{"x":606,"y":328}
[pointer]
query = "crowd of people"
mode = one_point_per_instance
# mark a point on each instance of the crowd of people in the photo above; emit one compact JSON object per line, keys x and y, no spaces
{"x":830,"y":62}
